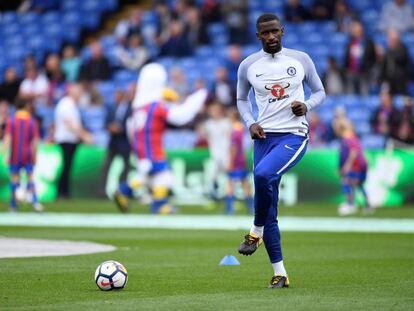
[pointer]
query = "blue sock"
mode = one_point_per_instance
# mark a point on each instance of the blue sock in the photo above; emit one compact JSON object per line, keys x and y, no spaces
{"x":250,"y":204}
{"x":13,"y":188}
{"x":347,"y":189}
{"x":125,"y":189}
{"x":30,"y":187}
{"x":229,"y":204}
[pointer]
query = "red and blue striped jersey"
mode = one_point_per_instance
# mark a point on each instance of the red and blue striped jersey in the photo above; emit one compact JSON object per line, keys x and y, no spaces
{"x":23,"y":130}
{"x":238,"y":159}
{"x":150,"y":122}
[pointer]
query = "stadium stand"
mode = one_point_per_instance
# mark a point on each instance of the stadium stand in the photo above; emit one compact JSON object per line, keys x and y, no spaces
{"x":41,"y":33}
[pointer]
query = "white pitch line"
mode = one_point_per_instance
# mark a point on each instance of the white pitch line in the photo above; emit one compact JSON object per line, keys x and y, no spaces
{"x":207,"y":222}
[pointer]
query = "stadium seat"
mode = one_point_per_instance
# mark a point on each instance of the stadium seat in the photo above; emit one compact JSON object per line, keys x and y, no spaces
{"x":373,"y":141}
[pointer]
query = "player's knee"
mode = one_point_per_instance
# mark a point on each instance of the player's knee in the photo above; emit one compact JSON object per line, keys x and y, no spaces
{"x":261,"y":174}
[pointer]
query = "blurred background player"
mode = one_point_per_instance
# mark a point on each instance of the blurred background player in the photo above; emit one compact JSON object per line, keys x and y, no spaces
{"x":217,"y":130}
{"x":237,"y":169}
{"x":353,"y":168}
{"x":146,"y":127}
{"x":22,"y":136}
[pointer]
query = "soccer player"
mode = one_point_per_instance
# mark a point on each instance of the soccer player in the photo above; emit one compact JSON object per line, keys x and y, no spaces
{"x":280,"y":132}
{"x":146,"y":127}
{"x":237,"y":169}
{"x":353,"y":168}
{"x":22,"y":136}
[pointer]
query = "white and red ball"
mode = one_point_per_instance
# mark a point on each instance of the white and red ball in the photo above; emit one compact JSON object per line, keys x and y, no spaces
{"x":111,"y":275}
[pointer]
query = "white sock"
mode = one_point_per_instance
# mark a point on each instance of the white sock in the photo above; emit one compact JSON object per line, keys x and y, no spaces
{"x":257,"y":231}
{"x":279,"y":268}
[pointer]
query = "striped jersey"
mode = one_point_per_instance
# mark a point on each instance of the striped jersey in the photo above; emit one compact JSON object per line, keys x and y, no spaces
{"x":348,"y":144}
{"x":149,"y":124}
{"x":238,"y":159}
{"x":23,"y":130}
{"x":277,"y":81}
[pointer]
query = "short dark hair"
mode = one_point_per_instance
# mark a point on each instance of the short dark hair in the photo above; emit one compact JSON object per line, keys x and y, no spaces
{"x":21,"y":103}
{"x":266,"y":17}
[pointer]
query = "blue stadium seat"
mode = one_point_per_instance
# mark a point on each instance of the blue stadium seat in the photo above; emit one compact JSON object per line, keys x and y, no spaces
{"x":373,"y":141}
{"x":107,"y":90}
{"x":125,"y":76}
{"x":108,"y":41}
{"x":70,"y":5}
{"x":50,"y":17}
{"x":94,"y":117}
{"x":362,"y":128}
{"x":9,"y":17}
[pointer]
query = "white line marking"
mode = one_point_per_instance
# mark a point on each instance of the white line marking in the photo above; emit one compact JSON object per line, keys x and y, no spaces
{"x":207,"y":222}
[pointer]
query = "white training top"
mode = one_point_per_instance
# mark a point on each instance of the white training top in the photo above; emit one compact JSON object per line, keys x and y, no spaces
{"x":276,"y":80}
{"x":66,"y":111}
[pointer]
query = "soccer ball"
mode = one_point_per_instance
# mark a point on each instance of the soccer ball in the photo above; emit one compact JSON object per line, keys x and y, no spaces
{"x":111,"y":275}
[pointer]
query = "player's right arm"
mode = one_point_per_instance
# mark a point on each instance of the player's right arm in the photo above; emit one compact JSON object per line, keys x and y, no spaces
{"x":243,"y":104}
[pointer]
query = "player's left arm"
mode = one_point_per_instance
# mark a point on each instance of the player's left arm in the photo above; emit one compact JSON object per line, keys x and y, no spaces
{"x":315,"y":84}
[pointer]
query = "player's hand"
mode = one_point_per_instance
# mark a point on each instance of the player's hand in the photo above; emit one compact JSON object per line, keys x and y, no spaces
{"x":256,"y":131}
{"x":298,"y":108}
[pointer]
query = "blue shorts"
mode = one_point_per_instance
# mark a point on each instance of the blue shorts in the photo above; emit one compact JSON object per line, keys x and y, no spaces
{"x":15,"y":168}
{"x":239,"y":174}
{"x":359,"y":177}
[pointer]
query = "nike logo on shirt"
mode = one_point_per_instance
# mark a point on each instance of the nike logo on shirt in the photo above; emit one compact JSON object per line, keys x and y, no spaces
{"x":287,"y":147}
{"x":259,"y":75}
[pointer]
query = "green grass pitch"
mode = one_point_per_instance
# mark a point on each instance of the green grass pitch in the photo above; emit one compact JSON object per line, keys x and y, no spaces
{"x":179,"y":270}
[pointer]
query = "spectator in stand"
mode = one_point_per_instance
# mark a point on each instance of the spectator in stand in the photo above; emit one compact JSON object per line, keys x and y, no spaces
{"x":97,"y":68}
{"x":333,"y":79}
{"x":398,"y":15}
{"x":30,"y":61}
{"x":180,"y":9}
{"x":57,"y":82}
{"x":360,"y":59}
{"x":196,"y":28}
{"x":317,"y":130}
{"x":118,"y":142}
{"x":127,"y":27}
{"x":295,"y":11}
{"x":4,"y":114}
{"x":222,"y":89}
{"x":177,"y":44}
{"x":234,"y":59}
{"x":90,"y":97}
{"x":10,"y":86}
{"x":71,"y":63}
{"x":395,"y":67}
{"x":178,"y":82}
{"x":34,"y":88}
{"x":164,"y":18}
{"x":134,"y":55}
{"x":405,"y":130}
{"x":323,"y":9}
{"x":385,"y":118}
{"x":211,"y":11}
{"x":235,"y":13}
{"x":344,"y":16}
